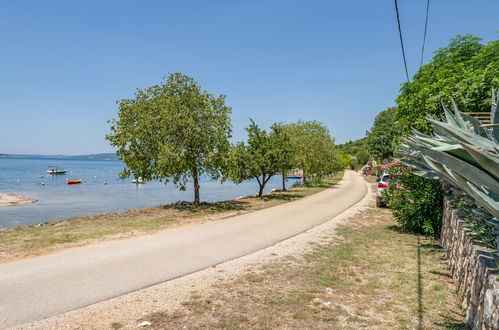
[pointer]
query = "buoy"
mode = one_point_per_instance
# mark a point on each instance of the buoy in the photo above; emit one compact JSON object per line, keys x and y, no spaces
{"x":42,"y":184}
{"x":105,"y":183}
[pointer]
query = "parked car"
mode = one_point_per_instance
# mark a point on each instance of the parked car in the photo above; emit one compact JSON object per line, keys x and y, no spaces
{"x":383,"y":182}
{"x":366,"y":169}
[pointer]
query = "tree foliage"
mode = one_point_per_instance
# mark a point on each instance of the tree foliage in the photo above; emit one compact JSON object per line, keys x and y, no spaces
{"x":382,"y":138}
{"x":263,"y":156}
{"x":172,"y":131}
{"x":314,"y":150}
{"x":465,"y":70}
{"x":283,"y":151}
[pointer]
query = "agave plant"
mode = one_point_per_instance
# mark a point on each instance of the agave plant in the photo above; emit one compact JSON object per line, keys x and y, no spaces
{"x":462,"y":152}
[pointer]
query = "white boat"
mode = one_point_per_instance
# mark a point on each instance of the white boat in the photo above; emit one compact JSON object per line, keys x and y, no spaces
{"x":139,"y":180}
{"x":54,"y":170}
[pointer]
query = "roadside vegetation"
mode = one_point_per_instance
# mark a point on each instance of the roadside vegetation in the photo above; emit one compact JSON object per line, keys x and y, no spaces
{"x":461,"y":77}
{"x":38,"y":239}
{"x":372,"y":275}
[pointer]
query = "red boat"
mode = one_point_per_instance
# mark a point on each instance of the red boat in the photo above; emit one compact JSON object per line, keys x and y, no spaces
{"x":74,"y":181}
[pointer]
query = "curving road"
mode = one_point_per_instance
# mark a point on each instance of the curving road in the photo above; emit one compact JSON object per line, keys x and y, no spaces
{"x":41,"y":287}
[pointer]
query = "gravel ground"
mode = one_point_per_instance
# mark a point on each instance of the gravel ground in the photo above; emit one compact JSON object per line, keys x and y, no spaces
{"x":168,"y":296}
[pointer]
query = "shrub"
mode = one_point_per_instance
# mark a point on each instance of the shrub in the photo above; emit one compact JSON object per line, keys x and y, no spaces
{"x":416,"y":202}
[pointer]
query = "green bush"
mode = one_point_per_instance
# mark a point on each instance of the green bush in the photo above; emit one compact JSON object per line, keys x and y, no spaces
{"x":416,"y":202}
{"x":465,"y":70}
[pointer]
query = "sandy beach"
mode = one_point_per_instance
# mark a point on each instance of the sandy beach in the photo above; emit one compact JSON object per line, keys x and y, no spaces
{"x":15,"y":200}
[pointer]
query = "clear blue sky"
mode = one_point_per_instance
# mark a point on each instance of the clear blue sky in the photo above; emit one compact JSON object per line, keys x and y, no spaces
{"x":65,"y":63}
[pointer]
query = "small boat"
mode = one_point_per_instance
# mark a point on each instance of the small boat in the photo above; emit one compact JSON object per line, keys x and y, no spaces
{"x":139,"y":180}
{"x":294,"y":177}
{"x":54,"y":170}
{"x":74,"y":181}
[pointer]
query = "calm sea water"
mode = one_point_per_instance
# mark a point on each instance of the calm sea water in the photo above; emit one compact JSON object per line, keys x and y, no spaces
{"x":57,"y":200}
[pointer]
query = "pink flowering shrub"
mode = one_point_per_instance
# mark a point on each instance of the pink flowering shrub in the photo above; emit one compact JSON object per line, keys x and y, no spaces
{"x":416,"y":202}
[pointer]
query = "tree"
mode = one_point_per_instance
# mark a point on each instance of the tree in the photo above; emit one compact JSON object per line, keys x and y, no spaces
{"x":314,"y":150}
{"x":172,"y":131}
{"x":465,"y":70}
{"x":382,"y":138}
{"x":264,"y":155}
{"x":282,"y":151}
{"x":362,"y":157}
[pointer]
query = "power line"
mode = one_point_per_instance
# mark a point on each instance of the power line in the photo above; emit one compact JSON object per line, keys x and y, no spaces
{"x":425,"y":28}
{"x":401,"y":40}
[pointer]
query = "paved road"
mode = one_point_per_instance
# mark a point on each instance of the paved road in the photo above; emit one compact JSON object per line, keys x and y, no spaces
{"x":41,"y":287}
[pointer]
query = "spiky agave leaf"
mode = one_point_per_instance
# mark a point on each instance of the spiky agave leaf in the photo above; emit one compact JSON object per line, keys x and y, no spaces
{"x":462,"y":152}
{"x":487,"y":160}
{"x":494,"y":116}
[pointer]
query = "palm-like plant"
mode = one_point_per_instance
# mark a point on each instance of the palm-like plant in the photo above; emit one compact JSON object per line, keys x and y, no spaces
{"x":462,"y":152}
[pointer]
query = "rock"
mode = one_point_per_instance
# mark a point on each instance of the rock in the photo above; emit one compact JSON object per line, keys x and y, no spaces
{"x":473,"y":271}
{"x":144,"y":324}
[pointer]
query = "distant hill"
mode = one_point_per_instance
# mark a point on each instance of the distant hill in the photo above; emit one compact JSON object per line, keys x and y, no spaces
{"x":103,"y":156}
{"x":352,"y":147}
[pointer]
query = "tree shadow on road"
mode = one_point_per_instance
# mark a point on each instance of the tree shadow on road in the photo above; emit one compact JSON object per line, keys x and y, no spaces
{"x":231,"y":205}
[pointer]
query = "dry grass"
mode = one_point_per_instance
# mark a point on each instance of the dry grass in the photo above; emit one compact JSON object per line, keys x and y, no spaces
{"x":373,"y":276}
{"x":39,"y":239}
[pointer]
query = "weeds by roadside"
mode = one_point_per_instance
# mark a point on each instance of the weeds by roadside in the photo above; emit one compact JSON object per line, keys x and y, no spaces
{"x":374,"y":276}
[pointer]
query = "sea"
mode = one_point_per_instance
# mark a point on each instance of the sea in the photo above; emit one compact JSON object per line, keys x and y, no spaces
{"x":102,"y":192}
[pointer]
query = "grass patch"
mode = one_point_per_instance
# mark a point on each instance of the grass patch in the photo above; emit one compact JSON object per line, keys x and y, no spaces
{"x":45,"y":237}
{"x":377,"y":277}
{"x":116,"y":325}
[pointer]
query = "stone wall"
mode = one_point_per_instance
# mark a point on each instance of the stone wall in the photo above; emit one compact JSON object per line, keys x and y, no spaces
{"x":473,"y":271}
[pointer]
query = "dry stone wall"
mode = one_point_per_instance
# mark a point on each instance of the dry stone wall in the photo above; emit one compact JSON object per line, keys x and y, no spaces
{"x":473,"y":271}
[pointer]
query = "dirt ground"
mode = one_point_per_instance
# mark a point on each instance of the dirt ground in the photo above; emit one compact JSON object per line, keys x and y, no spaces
{"x":370,"y":276}
{"x":356,"y":271}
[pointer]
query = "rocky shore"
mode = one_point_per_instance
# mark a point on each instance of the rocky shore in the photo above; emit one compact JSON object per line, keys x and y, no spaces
{"x":15,"y":200}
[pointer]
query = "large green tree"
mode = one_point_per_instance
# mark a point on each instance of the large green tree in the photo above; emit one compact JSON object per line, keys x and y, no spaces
{"x":465,"y":70}
{"x":172,"y":131}
{"x":314,"y":150}
{"x":264,"y":155}
{"x":382,"y":138}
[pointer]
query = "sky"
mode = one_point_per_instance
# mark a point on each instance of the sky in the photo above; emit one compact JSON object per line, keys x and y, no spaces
{"x":64,"y":64}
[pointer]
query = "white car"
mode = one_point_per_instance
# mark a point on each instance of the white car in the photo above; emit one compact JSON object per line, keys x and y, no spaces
{"x":383,"y":181}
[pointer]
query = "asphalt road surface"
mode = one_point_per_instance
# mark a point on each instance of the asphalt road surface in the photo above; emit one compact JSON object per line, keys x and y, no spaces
{"x":37,"y":288}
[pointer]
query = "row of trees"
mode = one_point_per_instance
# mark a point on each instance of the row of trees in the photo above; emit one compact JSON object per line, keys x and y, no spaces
{"x":305,"y":145}
{"x":175,"y":131}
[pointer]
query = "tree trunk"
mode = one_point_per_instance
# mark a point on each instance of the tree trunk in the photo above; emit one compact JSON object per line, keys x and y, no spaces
{"x":283,"y":181}
{"x":261,"y":184}
{"x":304,"y":178}
{"x":260,"y":191}
{"x":195,"y":178}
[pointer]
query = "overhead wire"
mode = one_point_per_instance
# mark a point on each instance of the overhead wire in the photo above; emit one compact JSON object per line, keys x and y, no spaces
{"x":425,"y":29}
{"x":401,"y":40}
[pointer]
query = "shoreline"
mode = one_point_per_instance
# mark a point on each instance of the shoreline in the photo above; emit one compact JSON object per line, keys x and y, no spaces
{"x":7,"y":200}
{"x":49,"y":237}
